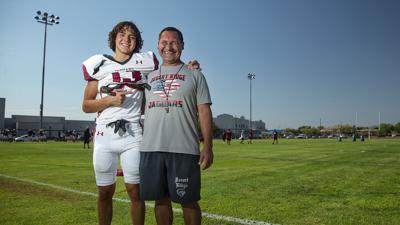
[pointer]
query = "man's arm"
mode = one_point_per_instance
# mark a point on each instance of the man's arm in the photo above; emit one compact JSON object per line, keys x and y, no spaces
{"x":91,"y":104}
{"x":205,"y":118}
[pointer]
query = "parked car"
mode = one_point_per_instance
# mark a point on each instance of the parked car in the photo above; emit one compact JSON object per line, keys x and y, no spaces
{"x":23,"y":138}
{"x":26,"y":137}
{"x":290,"y":136}
{"x":301,"y":136}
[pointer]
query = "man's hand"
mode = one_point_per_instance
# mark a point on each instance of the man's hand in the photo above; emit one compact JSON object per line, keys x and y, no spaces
{"x":206,"y":158}
{"x":193,"y":64}
{"x":119,"y":97}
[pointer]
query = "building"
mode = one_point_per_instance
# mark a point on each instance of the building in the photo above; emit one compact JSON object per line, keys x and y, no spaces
{"x":237,"y":124}
{"x":52,"y":125}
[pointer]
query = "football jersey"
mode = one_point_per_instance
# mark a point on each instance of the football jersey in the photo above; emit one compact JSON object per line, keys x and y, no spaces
{"x":128,"y":75}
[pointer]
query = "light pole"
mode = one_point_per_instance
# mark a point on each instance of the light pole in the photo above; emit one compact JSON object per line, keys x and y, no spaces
{"x":46,"y":20}
{"x":251,"y":77}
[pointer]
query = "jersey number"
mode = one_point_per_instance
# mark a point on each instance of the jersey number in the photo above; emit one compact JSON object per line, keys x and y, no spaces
{"x":135,"y":77}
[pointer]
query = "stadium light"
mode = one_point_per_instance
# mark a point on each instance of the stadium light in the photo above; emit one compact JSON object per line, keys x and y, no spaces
{"x":46,"y":20}
{"x":251,"y":77}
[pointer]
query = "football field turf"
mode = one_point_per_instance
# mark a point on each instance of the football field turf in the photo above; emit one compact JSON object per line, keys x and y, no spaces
{"x":313,"y":181}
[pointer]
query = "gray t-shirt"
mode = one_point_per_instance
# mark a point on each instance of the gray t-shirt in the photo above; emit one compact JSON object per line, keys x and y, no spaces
{"x":171,"y":118}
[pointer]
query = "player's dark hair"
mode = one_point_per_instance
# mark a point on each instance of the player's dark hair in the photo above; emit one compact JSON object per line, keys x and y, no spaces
{"x":117,"y":28}
{"x":180,"y":36}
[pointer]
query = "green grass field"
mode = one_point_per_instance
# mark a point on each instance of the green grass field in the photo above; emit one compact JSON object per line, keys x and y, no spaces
{"x":293,"y":182}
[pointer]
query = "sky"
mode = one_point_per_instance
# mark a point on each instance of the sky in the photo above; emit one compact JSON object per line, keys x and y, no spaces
{"x":316,"y":61}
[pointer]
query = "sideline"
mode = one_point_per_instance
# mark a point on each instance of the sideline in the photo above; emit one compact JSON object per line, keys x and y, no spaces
{"x":204,"y":214}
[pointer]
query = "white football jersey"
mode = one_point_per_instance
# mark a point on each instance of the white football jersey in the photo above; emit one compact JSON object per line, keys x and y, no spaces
{"x":128,"y":75}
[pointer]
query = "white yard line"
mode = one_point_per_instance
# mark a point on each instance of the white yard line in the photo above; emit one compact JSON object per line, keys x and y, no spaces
{"x":204,"y":214}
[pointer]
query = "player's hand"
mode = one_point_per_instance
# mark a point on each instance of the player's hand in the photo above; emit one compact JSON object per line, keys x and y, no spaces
{"x":119,"y":97}
{"x":194,"y":64}
{"x":206,"y":158}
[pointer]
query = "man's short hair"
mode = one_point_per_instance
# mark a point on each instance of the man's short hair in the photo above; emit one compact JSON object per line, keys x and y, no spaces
{"x":180,"y":36}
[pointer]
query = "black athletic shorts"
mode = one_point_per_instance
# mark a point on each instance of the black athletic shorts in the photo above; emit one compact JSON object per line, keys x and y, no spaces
{"x":169,"y":175}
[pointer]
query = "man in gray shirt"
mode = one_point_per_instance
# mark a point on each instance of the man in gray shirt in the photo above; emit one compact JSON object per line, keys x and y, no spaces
{"x":177,"y":105}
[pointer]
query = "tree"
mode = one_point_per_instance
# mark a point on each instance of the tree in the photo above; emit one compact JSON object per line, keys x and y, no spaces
{"x":344,"y":129}
{"x":309,"y":131}
{"x":385,"y":129}
{"x":304,"y":127}
{"x":291,"y":131}
{"x":396,"y":128}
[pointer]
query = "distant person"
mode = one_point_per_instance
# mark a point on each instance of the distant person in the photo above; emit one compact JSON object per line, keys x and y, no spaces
{"x":250,"y":137}
{"x":275,"y":137}
{"x":86,"y":137}
{"x":223,"y":136}
{"x":74,"y":135}
{"x":362,"y":138}
{"x":354,"y":137}
{"x":228,"y":135}
{"x":241,"y":137}
{"x":62,"y":136}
